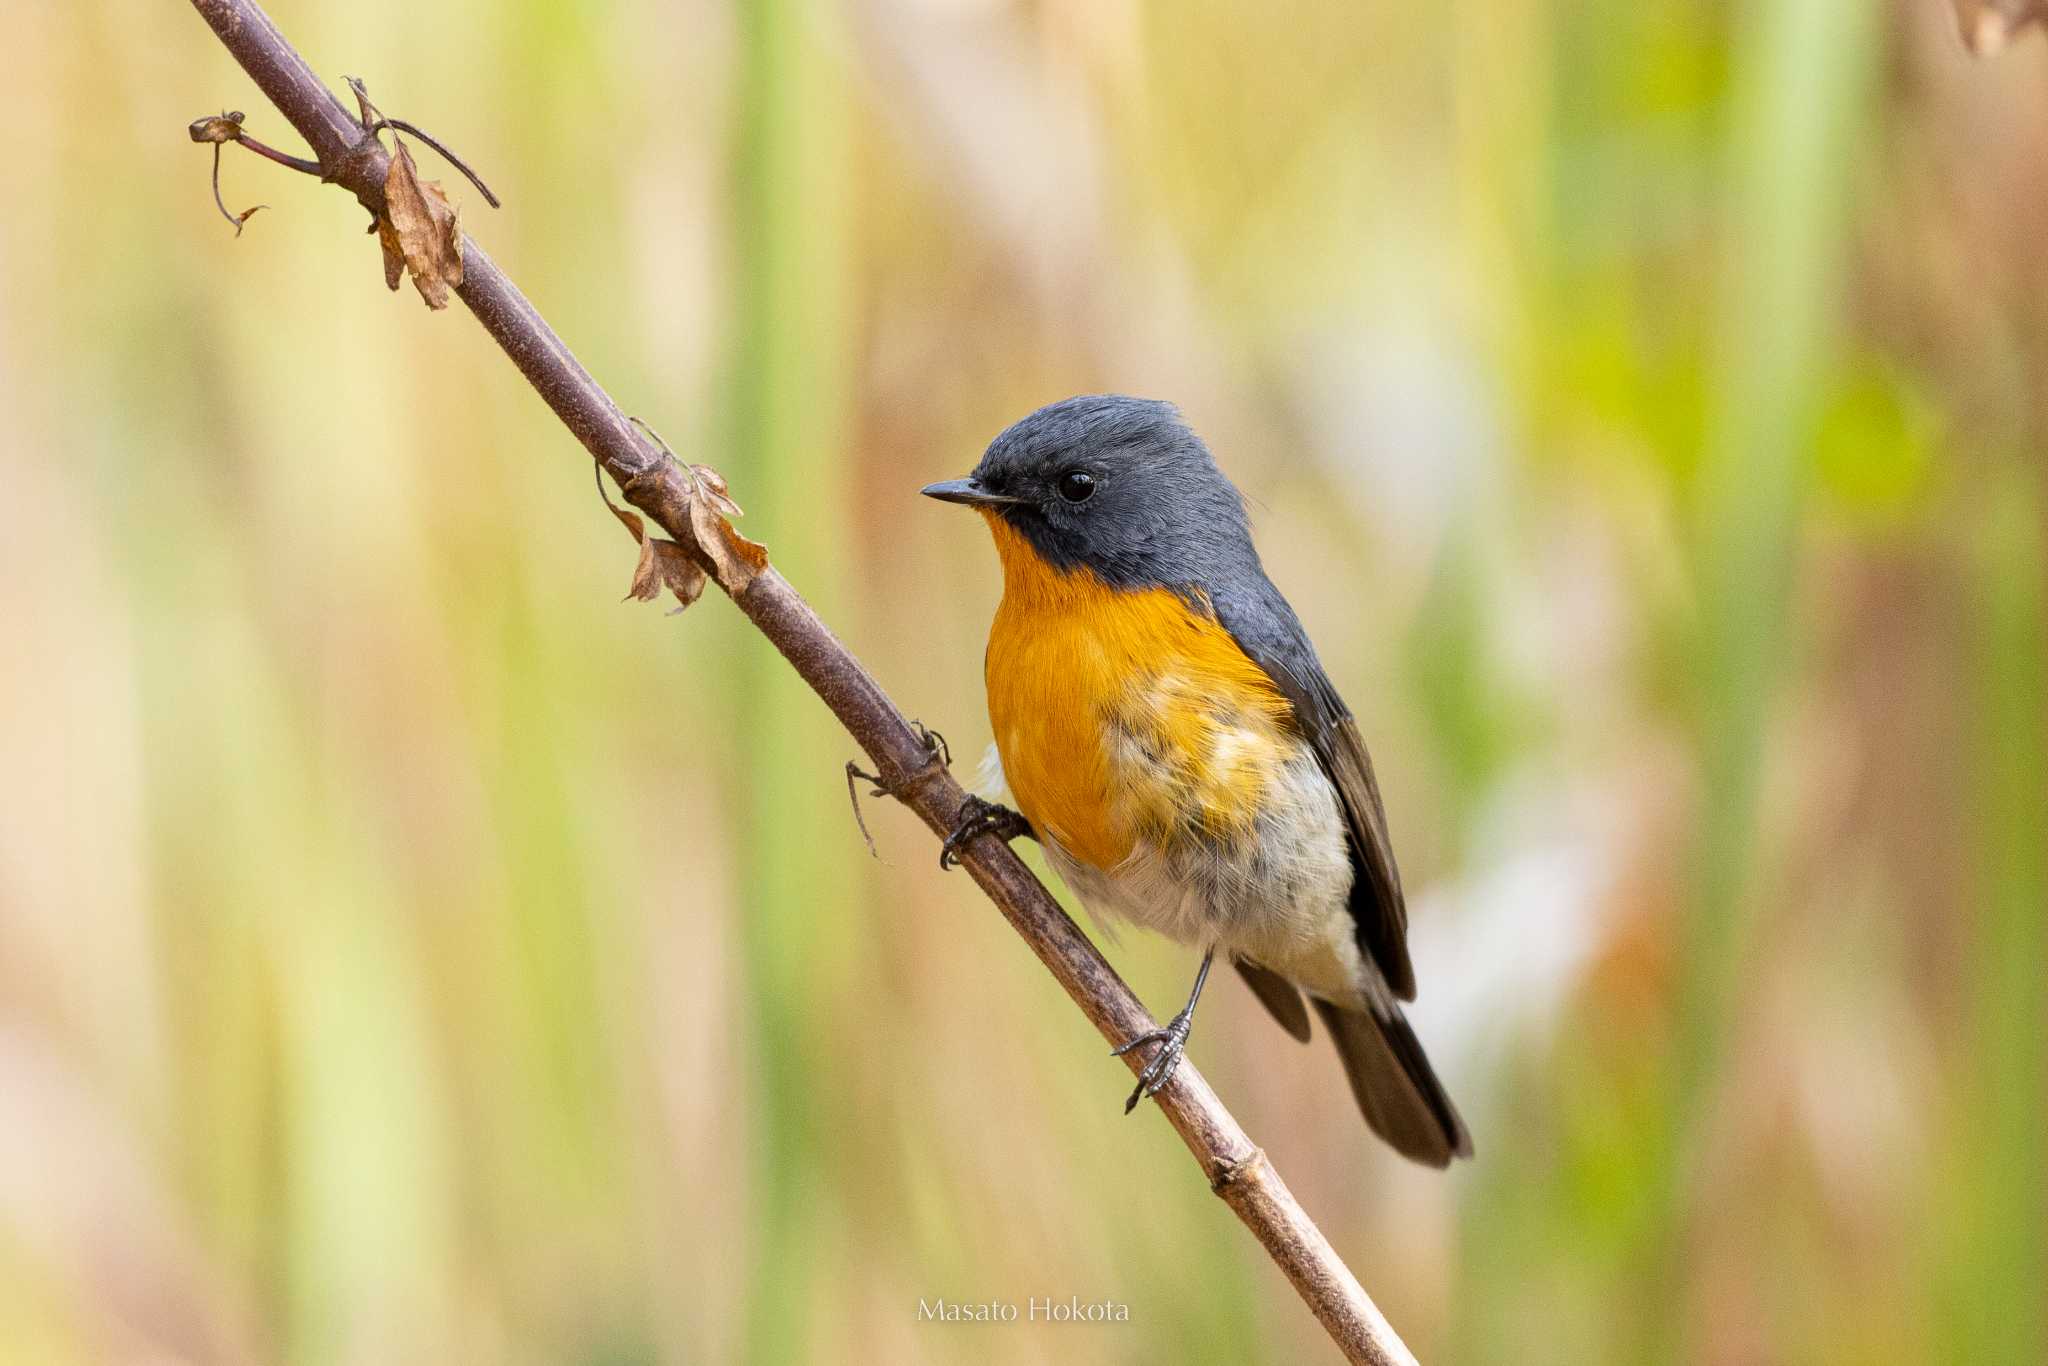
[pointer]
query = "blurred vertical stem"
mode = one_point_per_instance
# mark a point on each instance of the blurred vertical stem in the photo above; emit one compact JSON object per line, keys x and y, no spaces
{"x":1802,"y":72}
{"x":1993,"y":1197}
{"x":785,"y":400}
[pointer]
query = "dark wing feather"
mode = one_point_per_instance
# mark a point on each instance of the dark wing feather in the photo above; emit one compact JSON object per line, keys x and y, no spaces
{"x":1266,"y":629}
{"x":1279,"y":996}
{"x":1394,"y":1084}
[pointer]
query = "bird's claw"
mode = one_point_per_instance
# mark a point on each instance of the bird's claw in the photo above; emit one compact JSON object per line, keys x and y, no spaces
{"x":978,"y":818}
{"x":934,"y":743}
{"x":1172,"y":1041}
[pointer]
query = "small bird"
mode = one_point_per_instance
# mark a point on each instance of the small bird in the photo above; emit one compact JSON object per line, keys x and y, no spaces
{"x":1163,"y":723}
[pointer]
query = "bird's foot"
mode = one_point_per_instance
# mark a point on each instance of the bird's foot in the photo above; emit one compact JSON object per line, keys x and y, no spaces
{"x":934,"y":743}
{"x":1172,"y":1041}
{"x":978,"y":818}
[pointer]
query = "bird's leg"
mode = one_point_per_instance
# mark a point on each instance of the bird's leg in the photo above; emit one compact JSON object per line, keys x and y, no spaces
{"x":1172,"y":1041}
{"x":978,"y":818}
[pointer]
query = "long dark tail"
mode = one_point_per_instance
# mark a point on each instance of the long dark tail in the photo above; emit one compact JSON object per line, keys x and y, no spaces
{"x":1396,"y":1087}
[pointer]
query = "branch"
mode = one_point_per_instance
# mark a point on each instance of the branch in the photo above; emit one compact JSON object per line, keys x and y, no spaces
{"x":673,"y":497}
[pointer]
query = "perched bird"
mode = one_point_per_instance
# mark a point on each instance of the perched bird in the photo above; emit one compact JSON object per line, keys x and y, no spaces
{"x":1165,"y":727}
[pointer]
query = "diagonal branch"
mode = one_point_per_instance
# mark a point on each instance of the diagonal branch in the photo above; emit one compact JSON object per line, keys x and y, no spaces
{"x":1237,"y":1170}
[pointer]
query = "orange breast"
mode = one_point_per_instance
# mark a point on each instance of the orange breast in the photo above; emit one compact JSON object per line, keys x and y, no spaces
{"x":1124,"y":715}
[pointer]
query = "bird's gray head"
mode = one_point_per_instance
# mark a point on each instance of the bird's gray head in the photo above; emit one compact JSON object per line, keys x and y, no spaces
{"x":1116,"y":485}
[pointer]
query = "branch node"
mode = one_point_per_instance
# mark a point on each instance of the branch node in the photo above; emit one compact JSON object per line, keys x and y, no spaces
{"x":354,"y":165}
{"x":1231,"y":1171}
{"x":938,"y":760}
{"x":933,"y":742}
{"x":667,"y":453}
{"x":372,"y":121}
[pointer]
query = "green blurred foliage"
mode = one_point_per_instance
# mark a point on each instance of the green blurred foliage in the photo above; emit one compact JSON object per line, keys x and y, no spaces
{"x":408,"y":952}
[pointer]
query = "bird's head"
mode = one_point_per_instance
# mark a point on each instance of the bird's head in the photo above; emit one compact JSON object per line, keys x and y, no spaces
{"x":1115,"y":485}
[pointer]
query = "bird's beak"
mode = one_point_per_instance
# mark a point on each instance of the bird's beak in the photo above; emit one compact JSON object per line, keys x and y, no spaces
{"x":968,"y":492}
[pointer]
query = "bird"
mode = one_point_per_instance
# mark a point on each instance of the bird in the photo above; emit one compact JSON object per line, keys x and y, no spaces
{"x":1172,"y":740}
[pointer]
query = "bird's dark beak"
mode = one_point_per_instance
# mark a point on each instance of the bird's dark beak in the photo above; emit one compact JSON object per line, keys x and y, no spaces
{"x":968,"y":492}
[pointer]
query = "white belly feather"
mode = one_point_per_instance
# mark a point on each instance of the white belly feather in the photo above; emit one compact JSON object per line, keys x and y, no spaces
{"x":1277,"y":895}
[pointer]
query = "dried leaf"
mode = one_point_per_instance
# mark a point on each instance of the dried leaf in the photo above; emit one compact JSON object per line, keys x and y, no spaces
{"x":709,"y":485}
{"x":631,"y":521}
{"x":218,"y":128}
{"x":663,"y":563}
{"x":736,"y":558}
{"x":1989,"y":25}
{"x":394,"y":256}
{"x":418,"y":231}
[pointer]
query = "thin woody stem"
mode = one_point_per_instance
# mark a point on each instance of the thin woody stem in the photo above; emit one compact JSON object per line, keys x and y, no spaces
{"x":453,"y":160}
{"x":1236,"y":1169}
{"x":238,"y":219}
{"x":311,"y":168}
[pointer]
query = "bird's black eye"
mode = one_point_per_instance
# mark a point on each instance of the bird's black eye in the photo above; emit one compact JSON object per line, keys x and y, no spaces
{"x":1077,"y":486}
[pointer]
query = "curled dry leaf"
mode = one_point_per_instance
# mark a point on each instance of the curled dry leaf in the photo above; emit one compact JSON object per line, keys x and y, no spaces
{"x":1989,"y":25}
{"x":736,"y":559}
{"x":418,"y":231}
{"x":238,"y":219}
{"x":217,"y":128}
{"x":663,"y":564}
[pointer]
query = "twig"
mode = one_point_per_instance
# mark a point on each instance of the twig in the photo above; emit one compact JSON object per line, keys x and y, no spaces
{"x":453,"y":160}
{"x":856,"y":774}
{"x":220,"y":129}
{"x":909,"y":766}
{"x":375,"y":121}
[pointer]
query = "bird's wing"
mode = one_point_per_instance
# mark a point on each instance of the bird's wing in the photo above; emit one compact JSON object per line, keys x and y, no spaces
{"x":1279,"y":996}
{"x":1266,"y":629}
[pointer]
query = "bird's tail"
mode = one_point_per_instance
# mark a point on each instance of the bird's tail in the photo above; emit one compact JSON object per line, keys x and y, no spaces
{"x":1396,"y":1088}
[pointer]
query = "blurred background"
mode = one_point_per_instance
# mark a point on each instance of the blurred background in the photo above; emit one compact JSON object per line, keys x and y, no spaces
{"x":411,"y":953}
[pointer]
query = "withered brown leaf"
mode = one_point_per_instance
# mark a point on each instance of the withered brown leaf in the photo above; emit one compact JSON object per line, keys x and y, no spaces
{"x":736,"y":558}
{"x":418,"y":231}
{"x":663,"y":564}
{"x":225,"y":126}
